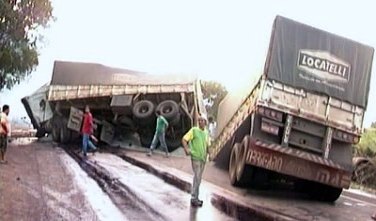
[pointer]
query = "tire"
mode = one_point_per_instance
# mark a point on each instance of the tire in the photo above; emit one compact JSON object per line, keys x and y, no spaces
{"x":126,"y":122}
{"x":169,"y":109}
{"x":174,"y":142}
{"x":176,"y":120}
{"x":325,"y":193}
{"x":41,"y":132}
{"x":146,"y":139}
{"x":318,"y":191}
{"x":65,"y":133}
{"x":55,"y":134}
{"x":243,"y":172}
{"x":143,"y":111}
{"x":234,"y":157}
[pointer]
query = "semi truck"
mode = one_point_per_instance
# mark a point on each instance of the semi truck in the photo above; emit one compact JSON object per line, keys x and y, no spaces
{"x":299,"y":119}
{"x":122,"y":102}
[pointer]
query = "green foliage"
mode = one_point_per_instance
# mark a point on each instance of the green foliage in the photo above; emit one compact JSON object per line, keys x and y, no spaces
{"x":213,"y":93}
{"x":367,"y":144}
{"x":20,"y":23}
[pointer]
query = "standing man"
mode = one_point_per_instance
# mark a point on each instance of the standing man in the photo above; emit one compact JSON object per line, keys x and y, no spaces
{"x":212,"y":126}
{"x":195,"y":143}
{"x":4,"y":132}
{"x":87,"y":131}
{"x":160,"y":132}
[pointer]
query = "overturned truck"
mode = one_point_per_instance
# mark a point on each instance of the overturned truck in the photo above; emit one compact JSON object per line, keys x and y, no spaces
{"x":300,"y":118}
{"x":123,"y":103}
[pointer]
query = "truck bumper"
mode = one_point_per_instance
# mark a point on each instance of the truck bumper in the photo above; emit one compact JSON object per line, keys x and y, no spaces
{"x":297,"y":163}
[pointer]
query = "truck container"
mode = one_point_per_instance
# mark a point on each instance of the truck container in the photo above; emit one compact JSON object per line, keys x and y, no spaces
{"x":122,"y":102}
{"x":299,"y":118}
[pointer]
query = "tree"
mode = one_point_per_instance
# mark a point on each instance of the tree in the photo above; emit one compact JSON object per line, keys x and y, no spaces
{"x":20,"y":24}
{"x":213,"y":93}
{"x":373,"y":125}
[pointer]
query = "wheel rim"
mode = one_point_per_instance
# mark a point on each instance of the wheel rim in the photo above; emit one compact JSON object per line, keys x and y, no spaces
{"x":241,"y":157}
{"x":233,"y":160}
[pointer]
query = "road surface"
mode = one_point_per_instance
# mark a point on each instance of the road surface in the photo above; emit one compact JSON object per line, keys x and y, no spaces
{"x":352,"y":205}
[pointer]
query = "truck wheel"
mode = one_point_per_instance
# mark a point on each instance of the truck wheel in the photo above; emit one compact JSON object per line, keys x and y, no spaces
{"x":169,"y":109}
{"x":175,"y":121}
{"x":56,"y":134}
{"x":173,"y":144}
{"x":326,"y":193}
{"x":127,"y":122}
{"x":146,"y":139}
{"x":318,"y":191}
{"x":143,"y":110}
{"x":65,"y":133}
{"x":41,"y":132}
{"x":243,"y":172}
{"x":234,"y":157}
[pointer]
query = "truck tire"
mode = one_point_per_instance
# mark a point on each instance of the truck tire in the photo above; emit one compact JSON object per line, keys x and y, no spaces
{"x":125,"y":121}
{"x":325,"y":193}
{"x":65,"y":133}
{"x":41,"y":132}
{"x":234,"y":157}
{"x":146,"y":139}
{"x":169,"y":109}
{"x":243,"y":172}
{"x":175,"y":121}
{"x":55,"y":134}
{"x":143,"y":111}
{"x":173,"y":144}
{"x":318,"y":191}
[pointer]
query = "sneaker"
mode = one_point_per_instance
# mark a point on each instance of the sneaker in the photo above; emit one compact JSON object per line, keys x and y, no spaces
{"x":149,"y":154}
{"x":167,"y":155}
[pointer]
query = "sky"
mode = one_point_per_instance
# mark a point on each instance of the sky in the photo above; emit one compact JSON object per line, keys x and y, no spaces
{"x":215,"y":40}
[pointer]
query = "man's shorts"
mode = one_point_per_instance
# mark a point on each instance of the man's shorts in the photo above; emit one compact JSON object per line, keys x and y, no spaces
{"x":3,"y":142}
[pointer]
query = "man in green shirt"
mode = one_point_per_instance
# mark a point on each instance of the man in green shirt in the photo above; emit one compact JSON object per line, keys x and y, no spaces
{"x":159,"y":135}
{"x":195,"y":143}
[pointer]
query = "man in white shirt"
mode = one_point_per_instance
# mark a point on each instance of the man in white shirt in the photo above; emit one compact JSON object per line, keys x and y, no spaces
{"x":212,"y":128}
{"x":4,"y":132}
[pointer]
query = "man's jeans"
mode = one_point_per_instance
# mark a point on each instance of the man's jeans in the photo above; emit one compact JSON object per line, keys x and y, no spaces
{"x":87,"y":143}
{"x":159,"y":137}
{"x":198,"y":169}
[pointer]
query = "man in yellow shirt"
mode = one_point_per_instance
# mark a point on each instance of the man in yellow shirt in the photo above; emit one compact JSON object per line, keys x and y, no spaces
{"x":195,"y":143}
{"x":4,"y":132}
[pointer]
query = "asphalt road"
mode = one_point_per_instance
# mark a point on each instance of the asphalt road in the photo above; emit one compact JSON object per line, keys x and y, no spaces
{"x":352,"y":205}
{"x":42,"y":182}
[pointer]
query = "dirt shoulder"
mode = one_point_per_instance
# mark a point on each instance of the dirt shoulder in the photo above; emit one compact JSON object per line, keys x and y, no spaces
{"x":35,"y":185}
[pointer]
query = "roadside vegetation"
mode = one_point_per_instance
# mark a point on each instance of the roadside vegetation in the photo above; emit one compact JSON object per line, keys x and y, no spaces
{"x":365,"y":160}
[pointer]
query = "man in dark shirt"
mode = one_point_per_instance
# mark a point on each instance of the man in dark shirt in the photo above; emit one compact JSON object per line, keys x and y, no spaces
{"x":87,"y":131}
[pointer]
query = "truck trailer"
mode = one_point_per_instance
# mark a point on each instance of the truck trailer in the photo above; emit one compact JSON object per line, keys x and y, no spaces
{"x":300,"y":118}
{"x":122,"y":102}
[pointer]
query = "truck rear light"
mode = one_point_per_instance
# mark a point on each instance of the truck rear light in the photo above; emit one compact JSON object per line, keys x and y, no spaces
{"x":269,"y":113}
{"x":269,"y":128}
